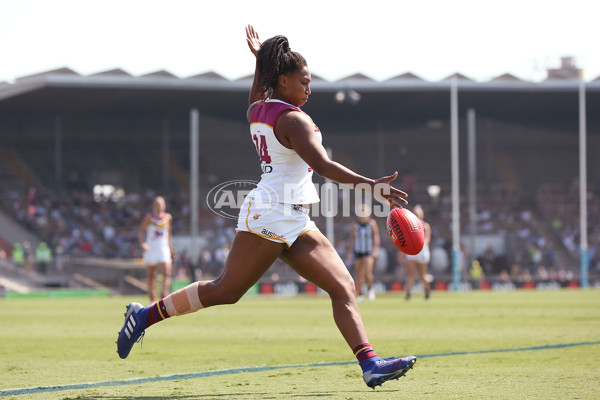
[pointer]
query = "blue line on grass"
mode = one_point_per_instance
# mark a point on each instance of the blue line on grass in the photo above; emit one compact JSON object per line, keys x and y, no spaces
{"x":174,"y":377}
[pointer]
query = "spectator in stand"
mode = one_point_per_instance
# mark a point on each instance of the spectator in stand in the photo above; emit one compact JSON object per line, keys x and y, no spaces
{"x":28,"y":256}
{"x":206,"y":261}
{"x":525,"y":276}
{"x":221,"y":254}
{"x":504,"y":276}
{"x":18,"y":255}
{"x":487,"y":260}
{"x":183,"y":266}
{"x":43,"y":257}
{"x":83,"y":226}
{"x":59,"y":259}
{"x":542,"y":274}
{"x":476,"y":274}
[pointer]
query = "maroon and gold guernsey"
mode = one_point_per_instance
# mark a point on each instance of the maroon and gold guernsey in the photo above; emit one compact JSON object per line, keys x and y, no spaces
{"x":286,"y":178}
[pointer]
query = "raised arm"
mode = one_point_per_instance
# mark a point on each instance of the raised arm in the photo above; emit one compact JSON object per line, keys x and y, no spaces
{"x":297,"y":130}
{"x":254,"y":44}
{"x":427,"y":232}
{"x":170,"y":233}
{"x":142,"y":232}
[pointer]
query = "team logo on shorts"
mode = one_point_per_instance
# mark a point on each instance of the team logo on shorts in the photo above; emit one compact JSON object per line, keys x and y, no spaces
{"x":256,"y":216}
{"x":226,"y":199}
{"x":272,"y":234}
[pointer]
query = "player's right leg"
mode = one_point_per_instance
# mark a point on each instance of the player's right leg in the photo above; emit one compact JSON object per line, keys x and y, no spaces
{"x":410,"y":277}
{"x":314,"y":258}
{"x":423,"y":275}
{"x":360,"y":266}
{"x":369,"y":278}
{"x":249,"y":258}
{"x":165,"y":269}
{"x":388,"y":369}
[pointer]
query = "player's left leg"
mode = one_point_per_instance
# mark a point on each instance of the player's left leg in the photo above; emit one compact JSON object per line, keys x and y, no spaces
{"x":314,"y":258}
{"x":249,"y":258}
{"x":423,"y":274}
{"x":151,"y":271}
{"x":369,"y":264}
{"x":410,"y":277}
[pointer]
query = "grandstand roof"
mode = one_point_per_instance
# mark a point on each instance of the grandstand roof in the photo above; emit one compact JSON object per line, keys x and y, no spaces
{"x":116,"y":92}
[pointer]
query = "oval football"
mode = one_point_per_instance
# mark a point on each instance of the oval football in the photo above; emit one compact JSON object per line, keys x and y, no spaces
{"x":406,"y":231}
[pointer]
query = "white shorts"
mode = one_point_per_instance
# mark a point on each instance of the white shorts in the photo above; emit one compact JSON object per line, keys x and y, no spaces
{"x":277,"y":222}
{"x":157,"y":255}
{"x":422,"y":257}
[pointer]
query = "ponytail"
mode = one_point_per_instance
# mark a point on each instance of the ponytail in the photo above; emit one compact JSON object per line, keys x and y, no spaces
{"x":275,"y":58}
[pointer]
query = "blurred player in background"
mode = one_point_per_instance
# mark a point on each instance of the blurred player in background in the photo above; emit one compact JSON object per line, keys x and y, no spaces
{"x":420,"y":260}
{"x":155,"y":237}
{"x":274,"y":221}
{"x":363,"y":245}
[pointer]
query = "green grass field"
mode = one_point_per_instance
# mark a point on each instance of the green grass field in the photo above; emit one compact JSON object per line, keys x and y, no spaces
{"x":53,"y":342}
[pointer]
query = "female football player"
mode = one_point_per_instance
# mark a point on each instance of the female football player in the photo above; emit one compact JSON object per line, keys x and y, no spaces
{"x":363,"y":246}
{"x":155,"y":237}
{"x":274,"y":221}
{"x":420,"y":260}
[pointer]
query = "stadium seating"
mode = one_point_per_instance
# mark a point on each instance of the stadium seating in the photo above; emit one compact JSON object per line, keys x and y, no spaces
{"x":512,"y":179}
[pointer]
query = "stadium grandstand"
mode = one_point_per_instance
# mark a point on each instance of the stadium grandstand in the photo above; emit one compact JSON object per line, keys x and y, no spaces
{"x":81,"y":157}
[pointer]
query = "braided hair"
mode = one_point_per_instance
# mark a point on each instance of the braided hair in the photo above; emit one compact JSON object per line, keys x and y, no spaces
{"x":275,"y":58}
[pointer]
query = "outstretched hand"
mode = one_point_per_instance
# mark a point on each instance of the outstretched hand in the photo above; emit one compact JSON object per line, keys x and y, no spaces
{"x":393,"y":196}
{"x":253,"y":40}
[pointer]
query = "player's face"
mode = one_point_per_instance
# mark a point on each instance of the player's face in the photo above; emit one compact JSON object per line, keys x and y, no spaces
{"x":294,"y":88}
{"x":159,"y":207}
{"x":364,"y":215}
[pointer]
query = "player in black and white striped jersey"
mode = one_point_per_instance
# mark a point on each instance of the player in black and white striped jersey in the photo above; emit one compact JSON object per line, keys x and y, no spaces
{"x":363,"y":245}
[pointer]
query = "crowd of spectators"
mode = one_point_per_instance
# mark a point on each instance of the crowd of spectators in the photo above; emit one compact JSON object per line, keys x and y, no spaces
{"x":560,"y":207}
{"x":82,"y":223}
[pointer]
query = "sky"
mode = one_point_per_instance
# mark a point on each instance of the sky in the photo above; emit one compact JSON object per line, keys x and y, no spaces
{"x":381,"y":39}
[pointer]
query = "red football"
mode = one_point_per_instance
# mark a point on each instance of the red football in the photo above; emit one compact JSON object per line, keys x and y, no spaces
{"x":406,"y":231}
